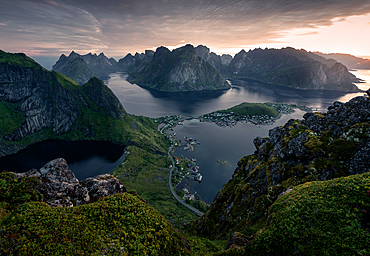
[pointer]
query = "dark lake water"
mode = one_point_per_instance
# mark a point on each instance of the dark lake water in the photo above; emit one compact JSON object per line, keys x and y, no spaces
{"x":218,"y":143}
{"x":84,"y":158}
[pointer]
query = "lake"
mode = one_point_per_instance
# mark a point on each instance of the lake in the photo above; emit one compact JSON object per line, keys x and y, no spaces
{"x":225,"y":144}
{"x":84,"y":158}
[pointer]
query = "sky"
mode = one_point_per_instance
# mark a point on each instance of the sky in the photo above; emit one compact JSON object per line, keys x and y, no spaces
{"x":116,"y":27}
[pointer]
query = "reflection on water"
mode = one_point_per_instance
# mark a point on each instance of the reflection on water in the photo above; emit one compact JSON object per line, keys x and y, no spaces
{"x":140,"y":101}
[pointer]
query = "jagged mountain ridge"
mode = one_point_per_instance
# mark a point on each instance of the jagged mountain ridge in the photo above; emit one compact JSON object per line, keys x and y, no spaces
{"x":36,"y":100}
{"x":293,"y":68}
{"x":220,"y":62}
{"x":82,"y":67}
{"x":178,"y":70}
{"x":322,"y":146}
{"x":288,"y":67}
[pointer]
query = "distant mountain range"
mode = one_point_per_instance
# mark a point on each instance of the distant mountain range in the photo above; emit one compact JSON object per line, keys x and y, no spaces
{"x":82,"y":67}
{"x":350,"y":61}
{"x":191,"y":68}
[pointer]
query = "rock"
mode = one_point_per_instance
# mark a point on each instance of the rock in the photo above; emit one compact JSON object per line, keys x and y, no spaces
{"x":61,"y":188}
{"x":237,"y":241}
{"x":103,"y":185}
{"x":59,"y":185}
{"x":178,"y":70}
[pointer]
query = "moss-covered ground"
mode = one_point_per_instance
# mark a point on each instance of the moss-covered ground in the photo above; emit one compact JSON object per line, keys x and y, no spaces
{"x":122,"y":224}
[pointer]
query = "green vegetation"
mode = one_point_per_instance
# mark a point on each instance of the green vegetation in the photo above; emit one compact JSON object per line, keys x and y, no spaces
{"x":122,"y":224}
{"x":10,"y":118}
{"x":147,"y":173}
{"x":319,"y":218}
{"x":18,"y":59}
{"x":246,"y":109}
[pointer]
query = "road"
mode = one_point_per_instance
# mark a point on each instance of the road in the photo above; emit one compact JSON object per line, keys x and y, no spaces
{"x":173,"y":192}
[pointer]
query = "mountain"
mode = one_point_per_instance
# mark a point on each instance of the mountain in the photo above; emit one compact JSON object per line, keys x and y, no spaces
{"x":350,"y":61}
{"x":36,"y":104}
{"x":293,"y":68}
{"x":219,"y":62}
{"x":179,"y":70}
{"x":320,"y":147}
{"x":130,"y":63}
{"x":82,"y":67}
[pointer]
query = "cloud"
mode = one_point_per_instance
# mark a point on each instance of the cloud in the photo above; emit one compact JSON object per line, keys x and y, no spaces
{"x":128,"y":26}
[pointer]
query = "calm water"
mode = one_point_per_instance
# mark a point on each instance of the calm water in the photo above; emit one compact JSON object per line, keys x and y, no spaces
{"x":84,"y":158}
{"x":218,"y":143}
{"x":139,"y":101}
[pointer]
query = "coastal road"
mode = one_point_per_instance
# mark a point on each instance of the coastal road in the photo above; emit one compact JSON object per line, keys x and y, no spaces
{"x":173,"y":192}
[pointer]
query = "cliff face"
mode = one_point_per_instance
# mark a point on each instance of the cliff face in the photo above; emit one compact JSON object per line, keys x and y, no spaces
{"x":293,"y":68}
{"x":179,"y":70}
{"x":36,"y":99}
{"x":322,"y":146}
{"x":81,"y":68}
{"x":219,"y":62}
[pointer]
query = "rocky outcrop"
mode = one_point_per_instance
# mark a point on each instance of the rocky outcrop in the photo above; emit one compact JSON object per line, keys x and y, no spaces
{"x":81,"y":68}
{"x":320,"y":147}
{"x":102,"y":185}
{"x":60,"y":187}
{"x":293,"y":68}
{"x":179,"y":70}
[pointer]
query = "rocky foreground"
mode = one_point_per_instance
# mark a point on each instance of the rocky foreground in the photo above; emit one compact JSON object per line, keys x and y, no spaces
{"x":60,"y":187}
{"x":49,"y":212}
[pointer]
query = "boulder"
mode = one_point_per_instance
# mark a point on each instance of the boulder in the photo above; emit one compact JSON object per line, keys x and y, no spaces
{"x":61,"y":188}
{"x":103,"y":185}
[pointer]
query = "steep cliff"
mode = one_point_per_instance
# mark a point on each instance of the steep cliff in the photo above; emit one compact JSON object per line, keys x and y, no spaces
{"x":81,"y":68}
{"x":320,"y":147}
{"x":36,"y":104}
{"x":179,"y":70}
{"x":219,"y":62}
{"x":290,"y":67}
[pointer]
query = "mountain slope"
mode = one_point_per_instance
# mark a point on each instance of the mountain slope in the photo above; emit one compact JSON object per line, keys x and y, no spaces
{"x":36,"y":104}
{"x":322,"y":146}
{"x":179,"y":70}
{"x":292,"y":68}
{"x":82,"y":67}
